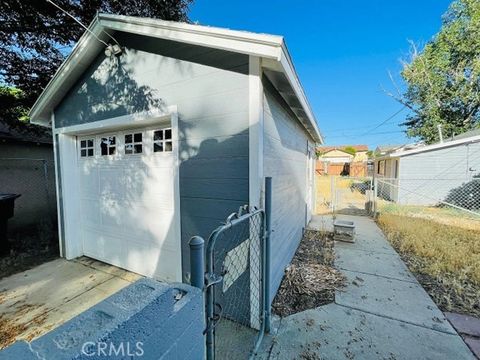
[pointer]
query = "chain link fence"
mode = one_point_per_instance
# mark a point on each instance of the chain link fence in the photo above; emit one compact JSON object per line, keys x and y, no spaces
{"x":33,"y":226}
{"x":346,"y":195}
{"x":452,"y":201}
{"x":235,"y":281}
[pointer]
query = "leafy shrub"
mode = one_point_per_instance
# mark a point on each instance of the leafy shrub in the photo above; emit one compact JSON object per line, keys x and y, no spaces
{"x":466,"y":196}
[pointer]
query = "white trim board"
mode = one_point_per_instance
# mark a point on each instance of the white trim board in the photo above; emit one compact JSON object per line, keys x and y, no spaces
{"x":432,"y":147}
{"x":267,"y":47}
{"x":68,"y":158}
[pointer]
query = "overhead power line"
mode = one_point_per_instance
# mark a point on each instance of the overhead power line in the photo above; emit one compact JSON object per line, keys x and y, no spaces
{"x":386,"y":120}
{"x":375,"y":126}
{"x":84,"y":26}
{"x":370,"y":134}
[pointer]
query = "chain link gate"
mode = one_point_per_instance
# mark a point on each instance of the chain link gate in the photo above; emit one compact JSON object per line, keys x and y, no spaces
{"x":351,"y":195}
{"x":235,"y":278}
{"x":235,"y":300}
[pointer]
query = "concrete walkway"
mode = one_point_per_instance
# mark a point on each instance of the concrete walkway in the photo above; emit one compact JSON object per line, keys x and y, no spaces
{"x":382,"y":314}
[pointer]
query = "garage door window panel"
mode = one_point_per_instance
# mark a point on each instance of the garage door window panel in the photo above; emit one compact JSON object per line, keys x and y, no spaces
{"x":87,"y":148}
{"x":133,"y":143}
{"x":162,"y":140}
{"x":108,"y":145}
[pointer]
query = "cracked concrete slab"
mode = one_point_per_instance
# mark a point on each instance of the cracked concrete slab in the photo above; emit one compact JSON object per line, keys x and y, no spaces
{"x":395,"y":299}
{"x":368,"y":237}
{"x":374,"y":263}
{"x":336,"y":332}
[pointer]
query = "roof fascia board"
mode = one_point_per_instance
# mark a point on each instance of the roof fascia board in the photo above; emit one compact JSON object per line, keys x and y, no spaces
{"x":203,"y":36}
{"x":198,"y":29}
{"x":446,"y":144}
{"x":78,"y":61}
{"x":289,"y":71}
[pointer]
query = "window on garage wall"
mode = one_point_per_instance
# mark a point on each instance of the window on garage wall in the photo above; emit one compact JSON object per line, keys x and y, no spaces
{"x":162,"y":140}
{"x":108,"y":145}
{"x":87,"y":147}
{"x":134,"y":143}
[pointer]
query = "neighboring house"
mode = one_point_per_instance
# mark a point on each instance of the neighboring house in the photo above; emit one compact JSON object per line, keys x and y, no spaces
{"x":165,"y":140}
{"x":340,"y":160}
{"x":26,"y":168}
{"x":420,"y":174}
{"x":385,"y":149}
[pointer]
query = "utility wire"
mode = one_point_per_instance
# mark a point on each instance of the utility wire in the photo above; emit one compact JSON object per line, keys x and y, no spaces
{"x":357,"y":135}
{"x":363,"y":127}
{"x":385,"y":121}
{"x":82,"y":25}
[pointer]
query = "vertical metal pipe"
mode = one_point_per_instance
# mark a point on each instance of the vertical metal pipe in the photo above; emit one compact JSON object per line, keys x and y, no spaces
{"x":197,"y":264}
{"x":268,"y":229}
{"x":210,"y":336}
{"x":332,"y":193}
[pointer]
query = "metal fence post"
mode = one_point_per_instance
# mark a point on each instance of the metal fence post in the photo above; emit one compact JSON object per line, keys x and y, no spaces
{"x":375,"y":195}
{"x":197,"y":264}
{"x":268,"y":228}
{"x":332,"y":193}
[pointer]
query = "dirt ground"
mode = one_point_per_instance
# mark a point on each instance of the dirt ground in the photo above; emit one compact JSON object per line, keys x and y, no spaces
{"x":29,"y":248}
{"x":310,"y":280}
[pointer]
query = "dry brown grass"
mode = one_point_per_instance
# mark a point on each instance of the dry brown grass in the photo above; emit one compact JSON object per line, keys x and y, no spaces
{"x":442,"y":215}
{"x":323,"y":193}
{"x":445,"y":258}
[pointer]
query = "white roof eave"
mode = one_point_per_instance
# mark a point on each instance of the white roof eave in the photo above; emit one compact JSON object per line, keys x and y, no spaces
{"x":269,"y":47}
{"x":433,"y":147}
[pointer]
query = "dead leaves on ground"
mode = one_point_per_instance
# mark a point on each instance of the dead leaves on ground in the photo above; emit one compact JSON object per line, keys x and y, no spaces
{"x":310,"y":280}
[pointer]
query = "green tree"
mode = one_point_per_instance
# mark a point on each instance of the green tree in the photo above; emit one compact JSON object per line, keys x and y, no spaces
{"x":36,"y":37}
{"x":350,"y":150}
{"x":443,"y":80}
{"x":12,"y":108}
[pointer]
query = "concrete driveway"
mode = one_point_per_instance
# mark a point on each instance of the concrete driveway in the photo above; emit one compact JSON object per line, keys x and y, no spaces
{"x":38,"y":300}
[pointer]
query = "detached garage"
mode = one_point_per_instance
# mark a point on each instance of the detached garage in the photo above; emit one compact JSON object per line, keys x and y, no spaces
{"x":163,"y":133}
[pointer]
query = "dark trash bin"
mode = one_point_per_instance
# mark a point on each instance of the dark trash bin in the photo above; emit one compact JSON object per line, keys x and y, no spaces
{"x":7,"y":203}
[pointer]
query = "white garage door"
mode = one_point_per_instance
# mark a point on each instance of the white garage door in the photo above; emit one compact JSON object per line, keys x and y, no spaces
{"x":127,"y":201}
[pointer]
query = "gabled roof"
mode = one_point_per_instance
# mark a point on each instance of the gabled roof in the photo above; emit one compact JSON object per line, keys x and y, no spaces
{"x":25,"y":133}
{"x":383,"y":149}
{"x":325,"y":149}
{"x":276,"y":60}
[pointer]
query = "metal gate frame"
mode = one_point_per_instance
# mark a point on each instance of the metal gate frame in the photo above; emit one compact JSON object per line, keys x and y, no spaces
{"x":335,"y":190}
{"x":204,"y":276}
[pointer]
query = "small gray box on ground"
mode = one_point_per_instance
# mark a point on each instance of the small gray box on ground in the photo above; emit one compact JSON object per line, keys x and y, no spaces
{"x":344,"y":230}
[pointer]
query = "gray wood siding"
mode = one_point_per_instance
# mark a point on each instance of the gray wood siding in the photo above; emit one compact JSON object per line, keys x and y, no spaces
{"x":427,"y":177}
{"x":210,"y":88}
{"x":285,"y":160}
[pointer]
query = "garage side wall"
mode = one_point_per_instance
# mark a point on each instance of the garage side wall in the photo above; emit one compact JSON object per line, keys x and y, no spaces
{"x":285,"y":160}
{"x":209,"y":88}
{"x":429,"y":176}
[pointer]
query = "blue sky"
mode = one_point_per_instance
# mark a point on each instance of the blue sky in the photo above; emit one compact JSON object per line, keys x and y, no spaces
{"x":342,"y":51}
